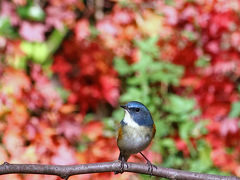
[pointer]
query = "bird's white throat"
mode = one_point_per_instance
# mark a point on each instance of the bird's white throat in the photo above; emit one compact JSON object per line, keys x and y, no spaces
{"x":128,"y":120}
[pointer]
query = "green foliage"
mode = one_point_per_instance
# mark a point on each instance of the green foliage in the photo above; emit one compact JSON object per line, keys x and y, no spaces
{"x":178,"y":105}
{"x":203,"y":162}
{"x":202,"y":61}
{"x":146,"y":76}
{"x":169,"y":2}
{"x":6,"y":28}
{"x":31,"y":12}
{"x":63,"y":93}
{"x":38,"y":52}
{"x":41,"y":52}
{"x":189,"y":35}
{"x":93,"y":31}
{"x":235,"y":110}
{"x":122,"y":66}
{"x":148,"y":46}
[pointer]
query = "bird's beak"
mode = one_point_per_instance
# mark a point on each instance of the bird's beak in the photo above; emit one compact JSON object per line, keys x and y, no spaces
{"x":123,"y":106}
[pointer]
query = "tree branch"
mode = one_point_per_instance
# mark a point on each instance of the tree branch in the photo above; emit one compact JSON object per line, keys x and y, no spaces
{"x":67,"y":171}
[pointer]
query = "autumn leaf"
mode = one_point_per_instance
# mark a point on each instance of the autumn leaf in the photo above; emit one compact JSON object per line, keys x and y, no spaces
{"x":32,"y":31}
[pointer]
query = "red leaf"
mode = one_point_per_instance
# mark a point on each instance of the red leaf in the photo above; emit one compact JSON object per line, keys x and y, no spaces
{"x":8,"y":9}
{"x":64,"y":156}
{"x":229,"y":126}
{"x":123,"y":16}
{"x":106,"y":26}
{"x":93,"y":130}
{"x":69,"y":128}
{"x":58,"y":15}
{"x":82,"y":29}
{"x":110,"y":89}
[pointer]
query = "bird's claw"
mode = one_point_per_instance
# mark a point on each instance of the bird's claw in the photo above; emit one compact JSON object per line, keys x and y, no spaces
{"x":150,"y":167}
{"x":122,"y":169}
{"x":122,"y":166}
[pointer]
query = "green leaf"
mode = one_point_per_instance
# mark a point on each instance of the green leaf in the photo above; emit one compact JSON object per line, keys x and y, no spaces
{"x":36,"y":13}
{"x":6,"y":28}
{"x":149,"y":46}
{"x":143,"y":63}
{"x":110,"y":127}
{"x":179,"y":105}
{"x":189,"y":35}
{"x":235,"y":110}
{"x":121,"y":66}
{"x":238,"y":88}
{"x":27,"y":48}
{"x":93,"y":31}
{"x":20,"y":63}
{"x":63,"y":93}
{"x":137,"y":80}
{"x":203,"y":163}
{"x":31,"y":12}
{"x":169,"y":144}
{"x":173,"y":161}
{"x":118,"y":114}
{"x":40,"y":52}
{"x":132,"y":94}
{"x":200,"y":128}
{"x":165,"y":72}
{"x":162,"y":128}
{"x":169,"y":2}
{"x":55,"y":39}
{"x":203,"y":61}
{"x":185,"y":129}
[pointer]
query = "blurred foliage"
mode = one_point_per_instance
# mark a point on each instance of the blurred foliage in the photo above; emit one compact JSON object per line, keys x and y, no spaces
{"x":6,"y":29}
{"x":66,"y":66}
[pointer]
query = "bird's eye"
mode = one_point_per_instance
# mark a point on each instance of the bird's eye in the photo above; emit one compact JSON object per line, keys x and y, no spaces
{"x":137,"y":109}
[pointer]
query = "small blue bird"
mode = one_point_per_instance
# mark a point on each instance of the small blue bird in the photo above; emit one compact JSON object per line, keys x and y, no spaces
{"x":136,"y":132}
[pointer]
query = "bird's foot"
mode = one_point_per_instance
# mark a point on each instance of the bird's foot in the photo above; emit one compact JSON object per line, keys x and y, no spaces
{"x":150,"y":167}
{"x":122,"y":166}
{"x":122,"y":169}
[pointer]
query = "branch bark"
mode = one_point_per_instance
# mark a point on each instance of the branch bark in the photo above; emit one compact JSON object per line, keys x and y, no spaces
{"x":66,"y":171}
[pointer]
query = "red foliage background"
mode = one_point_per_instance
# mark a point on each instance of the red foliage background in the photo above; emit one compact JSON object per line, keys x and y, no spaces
{"x":37,"y":123}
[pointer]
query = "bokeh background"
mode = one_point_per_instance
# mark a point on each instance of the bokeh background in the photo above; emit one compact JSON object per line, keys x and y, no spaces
{"x":67,"y":65}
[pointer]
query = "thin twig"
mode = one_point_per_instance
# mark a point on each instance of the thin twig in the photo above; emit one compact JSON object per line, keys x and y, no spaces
{"x":67,"y":171}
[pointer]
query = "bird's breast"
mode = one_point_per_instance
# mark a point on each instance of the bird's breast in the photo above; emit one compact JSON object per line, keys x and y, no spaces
{"x":134,"y":139}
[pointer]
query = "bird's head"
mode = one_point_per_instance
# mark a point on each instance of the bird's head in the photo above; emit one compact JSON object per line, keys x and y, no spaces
{"x":136,"y":112}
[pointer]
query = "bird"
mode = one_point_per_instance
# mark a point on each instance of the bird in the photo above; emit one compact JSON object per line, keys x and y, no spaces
{"x":136,"y":131}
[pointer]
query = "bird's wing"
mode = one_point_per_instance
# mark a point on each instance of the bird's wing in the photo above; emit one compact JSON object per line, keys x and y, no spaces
{"x":119,"y":133}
